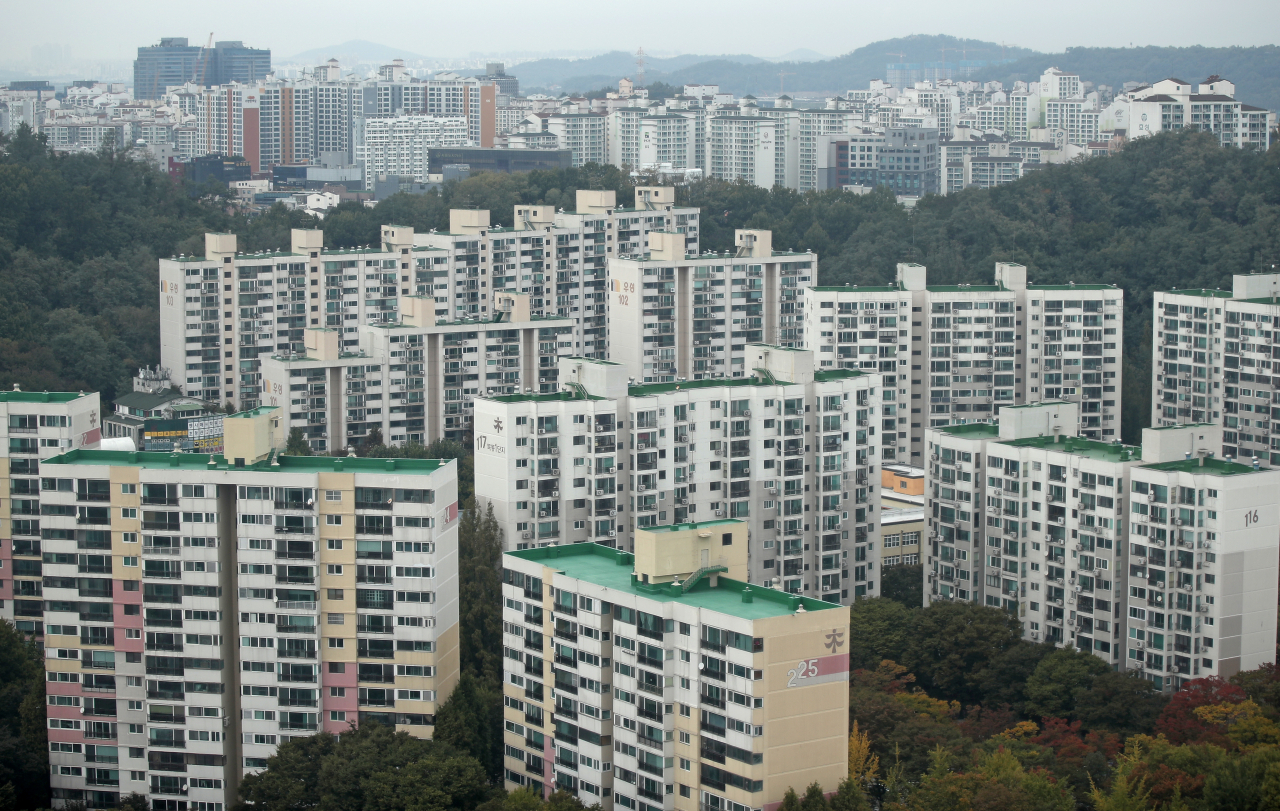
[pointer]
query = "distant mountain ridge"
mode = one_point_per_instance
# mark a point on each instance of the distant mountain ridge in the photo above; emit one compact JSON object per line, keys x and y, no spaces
{"x":735,"y":74}
{"x":352,"y":52}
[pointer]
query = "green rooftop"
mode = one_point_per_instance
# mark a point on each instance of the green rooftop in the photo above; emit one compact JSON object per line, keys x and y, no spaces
{"x":253,"y":412}
{"x":855,"y":288}
{"x":1069,"y":287}
{"x":612,"y":569}
{"x":1079,"y":446}
{"x":1201,"y":291}
{"x":574,"y":393}
{"x":964,"y":288}
{"x":691,"y":525}
{"x":828,"y":375}
{"x":277,"y":464}
{"x":40,"y":396}
{"x":976,"y":430}
{"x":1220,"y":467}
{"x":1263,"y":300}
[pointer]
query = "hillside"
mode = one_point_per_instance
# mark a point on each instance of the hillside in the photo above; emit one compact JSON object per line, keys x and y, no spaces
{"x":742,"y":75}
{"x":79,"y":237}
{"x":1255,"y":71}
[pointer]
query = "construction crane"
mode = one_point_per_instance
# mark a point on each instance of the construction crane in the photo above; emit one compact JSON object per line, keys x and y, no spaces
{"x":204,"y":59}
{"x":782,"y":78}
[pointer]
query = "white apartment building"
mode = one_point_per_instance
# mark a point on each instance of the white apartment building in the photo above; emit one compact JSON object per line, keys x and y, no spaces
{"x":586,"y":135}
{"x":975,"y":349}
{"x":648,"y":455}
{"x":707,"y":709}
{"x":222,"y":311}
{"x":1210,"y":106}
{"x":742,"y":147}
{"x":399,"y":145}
{"x":676,"y":315}
{"x":201,"y":610}
{"x":36,"y":426}
{"x":668,"y":138}
{"x":1025,"y":517}
{"x":1212,"y":362}
{"x":414,"y":380}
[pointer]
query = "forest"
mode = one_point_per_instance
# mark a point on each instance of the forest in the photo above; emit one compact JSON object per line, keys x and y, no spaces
{"x":80,"y":236}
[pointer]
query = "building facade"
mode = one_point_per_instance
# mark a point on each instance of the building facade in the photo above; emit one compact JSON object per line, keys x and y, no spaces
{"x":1112,"y":549}
{"x":707,"y":710}
{"x":37,"y":426}
{"x":974,"y":349}
{"x":788,"y":451}
{"x":201,"y":609}
{"x":1212,"y":362}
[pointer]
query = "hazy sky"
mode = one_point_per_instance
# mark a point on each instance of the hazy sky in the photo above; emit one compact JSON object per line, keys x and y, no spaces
{"x":763,"y":27}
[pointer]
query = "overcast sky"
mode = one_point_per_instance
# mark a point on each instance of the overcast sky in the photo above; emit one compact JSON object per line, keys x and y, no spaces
{"x":762,"y":27}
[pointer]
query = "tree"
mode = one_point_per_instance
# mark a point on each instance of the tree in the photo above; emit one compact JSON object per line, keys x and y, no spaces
{"x":1124,"y":703}
{"x":1004,"y":680}
{"x":1178,"y":720}
{"x":369,"y":766}
{"x":878,"y":629}
{"x":24,"y":755}
{"x":471,"y":721}
{"x":1052,"y":687}
{"x":905,"y":584}
{"x":297,"y":444}
{"x":480,"y":594}
{"x":949,"y":645}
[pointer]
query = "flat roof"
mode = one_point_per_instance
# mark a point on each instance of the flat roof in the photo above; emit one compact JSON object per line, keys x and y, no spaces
{"x":253,"y":412}
{"x":972,"y":429}
{"x":554,"y":397}
{"x":611,"y":569}
{"x":1069,"y":287}
{"x":1200,"y":291}
{"x":965,"y":288}
{"x":40,"y":396}
{"x":691,"y":525}
{"x":278,"y":464}
{"x":854,"y":288}
{"x":1079,"y":446}
{"x":1214,"y":465}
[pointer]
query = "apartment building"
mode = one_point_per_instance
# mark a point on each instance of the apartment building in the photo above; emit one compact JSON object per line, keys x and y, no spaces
{"x":676,"y":315}
{"x":742,"y":147}
{"x":37,"y":426}
{"x":668,"y":138}
{"x":662,"y":679}
{"x":1138,"y":586}
{"x":201,"y":610}
{"x":585,"y":135}
{"x":398,"y":145}
{"x":1212,"y":362}
{"x":414,"y":380}
{"x":986,"y":347}
{"x":805,"y":485}
{"x":1208,"y":106}
{"x":220,"y":313}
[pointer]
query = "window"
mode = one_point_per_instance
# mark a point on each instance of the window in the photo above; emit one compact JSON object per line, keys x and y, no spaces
{"x":129,"y":489}
{"x":333,"y":520}
{"x":334,"y":544}
{"x":333,"y":495}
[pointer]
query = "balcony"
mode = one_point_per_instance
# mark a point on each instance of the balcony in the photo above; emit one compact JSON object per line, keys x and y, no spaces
{"x":166,"y":718}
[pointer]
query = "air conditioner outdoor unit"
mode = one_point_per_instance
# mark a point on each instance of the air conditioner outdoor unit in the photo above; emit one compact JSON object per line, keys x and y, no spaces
{"x":541,"y":431}
{"x":1139,"y":644}
{"x":542,"y":514}
{"x":599,"y":493}
{"x":719,"y":513}
{"x":613,"y":513}
{"x":555,"y":494}
{"x":555,"y":451}
{"x":526,"y":535}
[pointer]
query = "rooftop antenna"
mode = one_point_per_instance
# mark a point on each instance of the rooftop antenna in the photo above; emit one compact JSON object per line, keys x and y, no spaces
{"x":640,"y":67}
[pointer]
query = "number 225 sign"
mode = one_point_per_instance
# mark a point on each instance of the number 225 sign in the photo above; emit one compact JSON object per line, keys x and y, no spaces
{"x":820,"y":670}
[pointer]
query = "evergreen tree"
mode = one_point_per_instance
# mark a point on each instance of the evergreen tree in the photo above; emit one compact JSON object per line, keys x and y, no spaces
{"x":297,"y":444}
